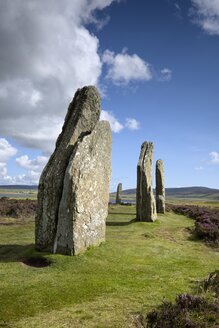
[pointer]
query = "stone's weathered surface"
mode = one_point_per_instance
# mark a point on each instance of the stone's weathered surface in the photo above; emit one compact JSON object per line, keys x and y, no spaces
{"x":118,"y":194}
{"x":145,"y":201}
{"x":160,"y":188}
{"x":84,"y":204}
{"x":82,"y":116}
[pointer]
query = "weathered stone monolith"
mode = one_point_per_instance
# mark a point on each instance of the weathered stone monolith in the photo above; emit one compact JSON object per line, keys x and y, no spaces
{"x":160,"y":189}
{"x":82,"y":117}
{"x":119,"y":194}
{"x":84,"y":203}
{"x":145,"y":201}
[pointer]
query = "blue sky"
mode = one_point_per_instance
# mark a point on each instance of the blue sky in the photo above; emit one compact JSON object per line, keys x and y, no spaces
{"x":156,"y":63}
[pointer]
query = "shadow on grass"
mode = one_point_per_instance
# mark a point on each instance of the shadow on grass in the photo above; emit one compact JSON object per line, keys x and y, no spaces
{"x":119,"y":223}
{"x":25,"y":254}
{"x":14,"y":253}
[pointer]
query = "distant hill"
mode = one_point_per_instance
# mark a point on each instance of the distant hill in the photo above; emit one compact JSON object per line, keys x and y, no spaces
{"x":193,"y":192}
{"x":10,"y":187}
{"x":184,"y":192}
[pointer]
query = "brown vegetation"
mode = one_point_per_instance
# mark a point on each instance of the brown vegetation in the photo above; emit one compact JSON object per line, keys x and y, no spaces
{"x":17,"y":208}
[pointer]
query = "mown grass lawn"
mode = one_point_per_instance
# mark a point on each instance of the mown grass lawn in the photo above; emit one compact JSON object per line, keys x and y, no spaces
{"x":140,"y":265}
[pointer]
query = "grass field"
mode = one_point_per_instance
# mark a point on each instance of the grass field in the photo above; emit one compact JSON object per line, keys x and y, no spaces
{"x":19,"y":193}
{"x":140,"y":265}
{"x":174,"y":200}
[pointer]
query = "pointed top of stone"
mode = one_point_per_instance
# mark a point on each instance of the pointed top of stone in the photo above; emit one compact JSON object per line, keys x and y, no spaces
{"x":159,"y":162}
{"x":148,"y":147}
{"x":85,"y":110}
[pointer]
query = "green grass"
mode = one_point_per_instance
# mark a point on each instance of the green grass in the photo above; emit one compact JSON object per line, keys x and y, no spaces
{"x":139,"y":265}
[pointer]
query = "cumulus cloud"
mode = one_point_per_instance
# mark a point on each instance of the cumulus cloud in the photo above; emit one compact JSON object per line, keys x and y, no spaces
{"x":214,"y":157}
{"x":123,"y":68}
{"x":28,"y":178}
{"x":132,"y":124}
{"x":6,"y":152}
{"x":32,"y":167}
{"x":115,"y":125}
{"x":3,"y":170}
{"x":46,"y":54}
{"x":35,"y":164}
{"x":206,"y":15}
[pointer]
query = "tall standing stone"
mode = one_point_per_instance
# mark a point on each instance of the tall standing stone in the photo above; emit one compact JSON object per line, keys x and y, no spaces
{"x":84,"y":203}
{"x":82,"y":116}
{"x":119,"y":194}
{"x":145,"y":202}
{"x":160,"y":188}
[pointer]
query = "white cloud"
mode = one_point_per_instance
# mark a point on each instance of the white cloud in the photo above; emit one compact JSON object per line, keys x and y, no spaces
{"x":6,"y":150}
{"x":3,"y":169}
{"x":206,"y":15}
{"x":33,"y":169}
{"x":116,"y":126}
{"x":166,"y":74}
{"x":214,"y":157}
{"x":29,"y":178}
{"x":32,"y":164}
{"x":132,"y":124}
{"x":46,"y":54}
{"x":123,"y":68}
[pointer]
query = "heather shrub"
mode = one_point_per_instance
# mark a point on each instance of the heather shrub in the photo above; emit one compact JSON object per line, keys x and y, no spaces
{"x":187,"y":312}
{"x":17,"y":208}
{"x":206,"y":221}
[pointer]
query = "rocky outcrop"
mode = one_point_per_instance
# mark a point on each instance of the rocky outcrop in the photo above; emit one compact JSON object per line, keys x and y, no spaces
{"x":145,"y":202}
{"x":160,"y":189}
{"x":119,"y":194}
{"x":84,"y":203}
{"x":81,"y":119}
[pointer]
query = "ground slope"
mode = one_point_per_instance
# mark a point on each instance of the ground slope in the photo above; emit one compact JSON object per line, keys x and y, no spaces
{"x":139,"y":265}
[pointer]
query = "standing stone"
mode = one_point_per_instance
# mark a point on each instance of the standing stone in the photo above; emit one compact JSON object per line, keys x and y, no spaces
{"x":118,"y":194}
{"x":82,"y":116}
{"x":160,"y":189}
{"x":145,"y":201}
{"x":84,"y":203}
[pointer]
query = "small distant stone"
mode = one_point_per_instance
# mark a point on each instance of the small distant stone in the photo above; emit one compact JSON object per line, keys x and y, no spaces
{"x":119,"y":194}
